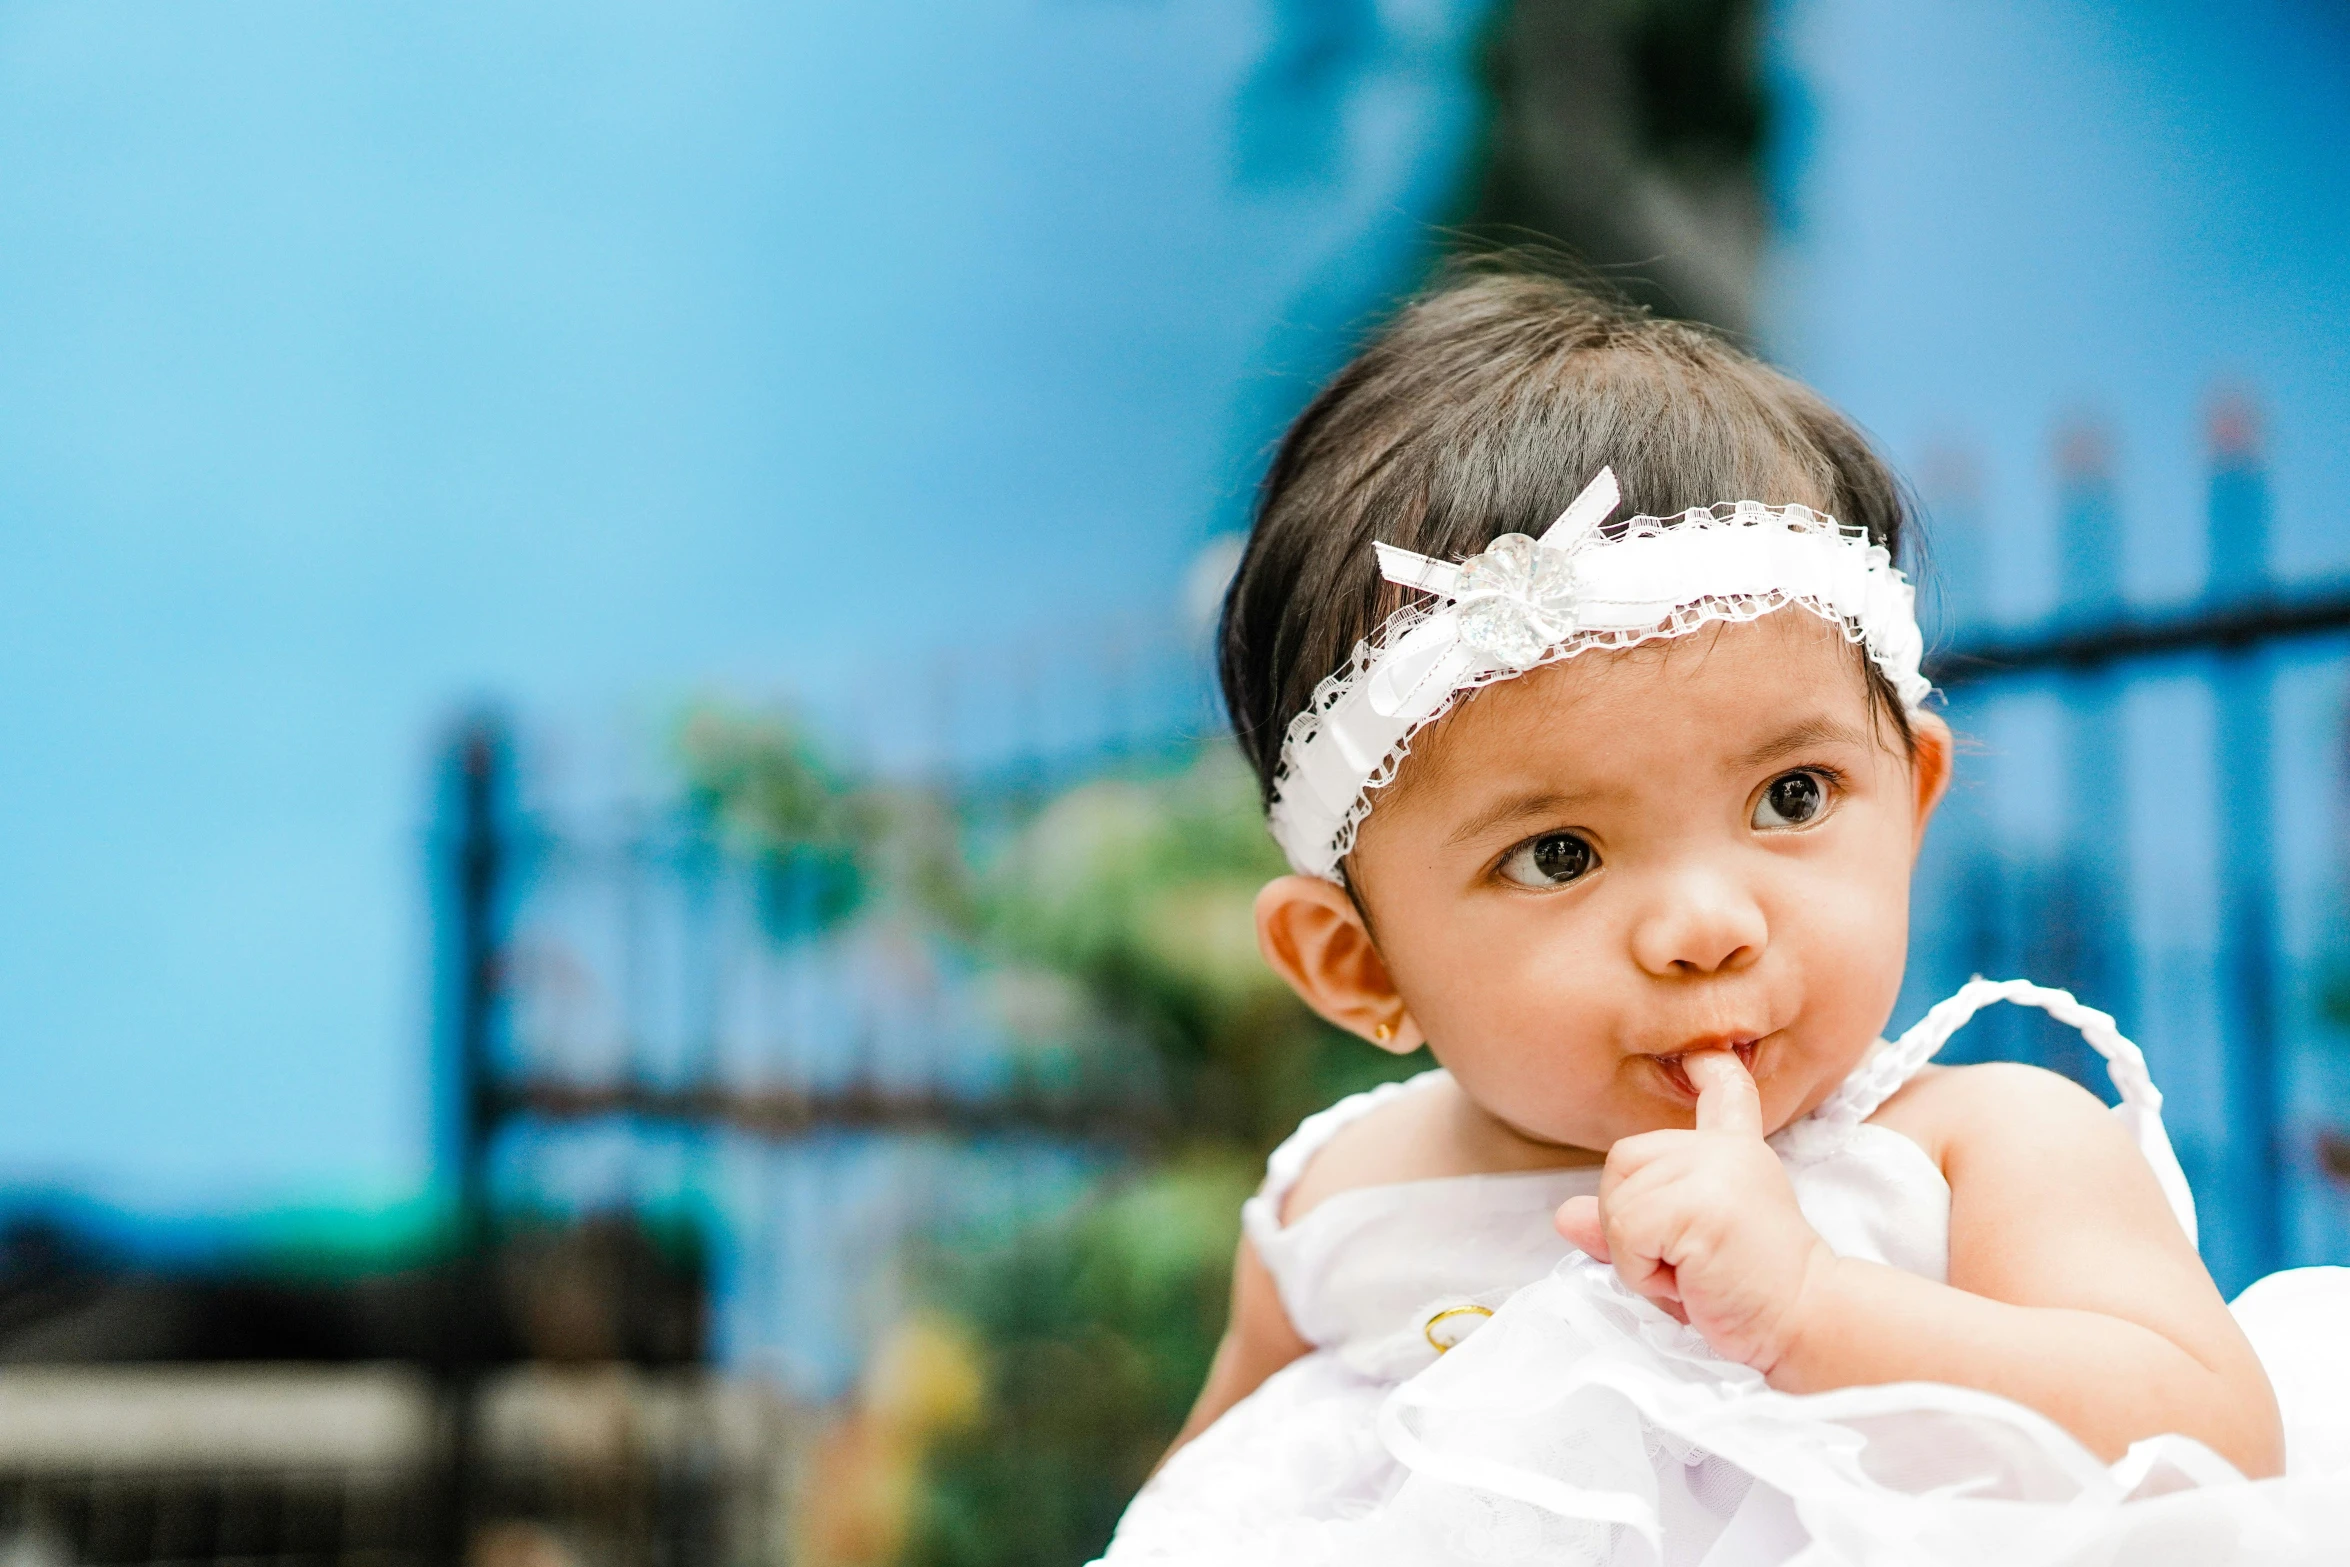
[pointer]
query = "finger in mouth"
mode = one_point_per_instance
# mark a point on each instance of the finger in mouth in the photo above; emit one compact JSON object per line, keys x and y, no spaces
{"x":1676,"y":1071}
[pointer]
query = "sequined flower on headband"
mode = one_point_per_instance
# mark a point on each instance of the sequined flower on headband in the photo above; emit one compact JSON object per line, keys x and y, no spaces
{"x":1520,"y":597}
{"x":1517,"y":599}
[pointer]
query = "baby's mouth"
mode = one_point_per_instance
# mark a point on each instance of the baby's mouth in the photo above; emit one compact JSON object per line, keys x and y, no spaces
{"x":1675,"y":1066}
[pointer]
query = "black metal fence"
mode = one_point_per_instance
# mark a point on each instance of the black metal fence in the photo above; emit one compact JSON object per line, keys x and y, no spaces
{"x":643,"y":1014}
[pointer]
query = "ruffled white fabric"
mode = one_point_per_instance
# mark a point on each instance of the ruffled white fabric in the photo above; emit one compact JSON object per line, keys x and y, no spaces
{"x":1581,"y":1425}
{"x":1527,"y":602}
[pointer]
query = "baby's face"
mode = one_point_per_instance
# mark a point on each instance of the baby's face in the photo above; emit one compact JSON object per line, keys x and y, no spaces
{"x":1586,"y":873}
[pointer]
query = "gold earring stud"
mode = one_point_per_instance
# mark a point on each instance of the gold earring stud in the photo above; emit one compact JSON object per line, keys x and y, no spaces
{"x":1384,"y":1032}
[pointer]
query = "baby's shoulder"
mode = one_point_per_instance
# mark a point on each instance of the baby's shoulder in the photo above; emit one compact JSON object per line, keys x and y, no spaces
{"x":1406,"y":1137}
{"x":1429,"y":1130}
{"x":1948,"y":1110}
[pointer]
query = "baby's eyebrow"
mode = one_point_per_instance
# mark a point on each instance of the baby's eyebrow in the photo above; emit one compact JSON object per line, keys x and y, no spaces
{"x":1803,"y":737}
{"x":1534,"y":802}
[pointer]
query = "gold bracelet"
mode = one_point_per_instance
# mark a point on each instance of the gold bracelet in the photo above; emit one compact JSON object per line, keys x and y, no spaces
{"x":1429,"y":1331}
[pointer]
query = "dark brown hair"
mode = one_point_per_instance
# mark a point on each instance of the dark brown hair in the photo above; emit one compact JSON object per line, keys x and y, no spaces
{"x":1482,"y":409}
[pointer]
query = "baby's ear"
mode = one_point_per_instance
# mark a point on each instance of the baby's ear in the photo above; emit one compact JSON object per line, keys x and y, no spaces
{"x":1932,"y":754}
{"x":1311,"y":933}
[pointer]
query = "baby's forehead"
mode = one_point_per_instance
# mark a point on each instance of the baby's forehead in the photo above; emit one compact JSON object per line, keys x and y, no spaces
{"x":1711,"y":697}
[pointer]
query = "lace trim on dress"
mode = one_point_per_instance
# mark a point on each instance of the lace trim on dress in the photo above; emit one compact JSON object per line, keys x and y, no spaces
{"x":1878,"y":1077}
{"x":1260,"y":1216}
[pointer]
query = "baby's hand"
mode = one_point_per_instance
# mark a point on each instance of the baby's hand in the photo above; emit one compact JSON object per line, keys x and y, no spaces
{"x":1705,"y":1224}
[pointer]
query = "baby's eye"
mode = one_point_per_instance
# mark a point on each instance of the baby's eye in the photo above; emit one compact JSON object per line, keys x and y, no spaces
{"x":1552,"y":860}
{"x":1791,"y":800}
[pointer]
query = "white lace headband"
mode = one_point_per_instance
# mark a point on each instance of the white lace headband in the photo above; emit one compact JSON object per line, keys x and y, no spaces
{"x":1527,"y":602}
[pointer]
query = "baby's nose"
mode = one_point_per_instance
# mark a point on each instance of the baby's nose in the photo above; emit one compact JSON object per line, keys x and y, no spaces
{"x":1699,"y":922}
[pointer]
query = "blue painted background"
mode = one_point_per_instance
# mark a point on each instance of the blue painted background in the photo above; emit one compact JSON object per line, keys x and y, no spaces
{"x":2002,"y":220}
{"x":358,"y":363}
{"x":355,"y":361}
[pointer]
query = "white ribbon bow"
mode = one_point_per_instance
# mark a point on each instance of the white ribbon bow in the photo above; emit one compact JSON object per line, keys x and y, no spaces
{"x":1510,"y":605}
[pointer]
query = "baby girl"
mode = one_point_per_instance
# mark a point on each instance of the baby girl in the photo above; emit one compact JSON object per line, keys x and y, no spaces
{"x":1675,"y":1258}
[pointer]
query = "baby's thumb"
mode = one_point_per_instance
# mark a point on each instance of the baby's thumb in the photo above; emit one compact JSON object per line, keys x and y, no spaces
{"x":1578,"y":1220}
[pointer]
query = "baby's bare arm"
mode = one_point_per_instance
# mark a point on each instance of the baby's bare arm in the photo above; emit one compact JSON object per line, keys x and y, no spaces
{"x":2072,"y":1288}
{"x":1258,"y":1342}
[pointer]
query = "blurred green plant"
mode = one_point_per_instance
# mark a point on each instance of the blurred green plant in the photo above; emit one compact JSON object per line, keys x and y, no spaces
{"x":760,"y":775}
{"x":1142,"y":892}
{"x":1117,"y":925}
{"x":762,"y":784}
{"x":2328,"y":989}
{"x":1096,"y":1329}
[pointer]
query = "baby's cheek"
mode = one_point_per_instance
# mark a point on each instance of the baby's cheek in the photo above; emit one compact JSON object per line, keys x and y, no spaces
{"x":1545,"y":1069}
{"x":1853,"y":939}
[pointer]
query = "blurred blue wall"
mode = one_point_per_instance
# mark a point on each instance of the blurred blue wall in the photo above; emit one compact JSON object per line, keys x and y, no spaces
{"x":1999,"y":214}
{"x":354,"y":362}
{"x":2001,"y":220}
{"x":357,"y":360}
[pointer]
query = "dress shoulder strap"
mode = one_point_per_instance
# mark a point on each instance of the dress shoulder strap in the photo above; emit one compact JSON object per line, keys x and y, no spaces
{"x":1262,"y":1215}
{"x":1894,"y":1064}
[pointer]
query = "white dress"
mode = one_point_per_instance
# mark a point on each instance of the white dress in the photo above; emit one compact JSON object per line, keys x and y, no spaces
{"x":1568,"y":1421}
